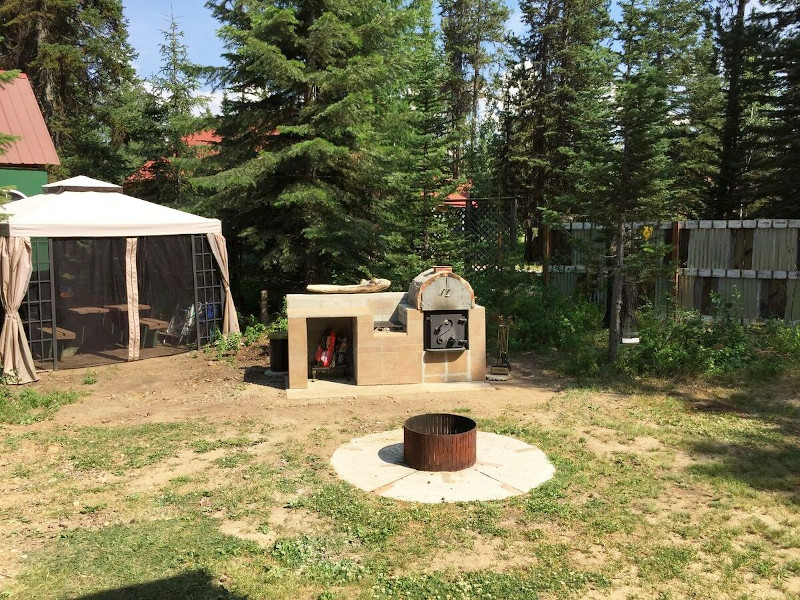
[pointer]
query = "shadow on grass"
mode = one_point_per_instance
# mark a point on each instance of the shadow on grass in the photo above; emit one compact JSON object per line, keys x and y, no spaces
{"x":194,"y":585}
{"x":770,"y":467}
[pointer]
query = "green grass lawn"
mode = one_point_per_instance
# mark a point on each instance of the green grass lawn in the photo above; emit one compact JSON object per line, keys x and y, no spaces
{"x":658,"y":494}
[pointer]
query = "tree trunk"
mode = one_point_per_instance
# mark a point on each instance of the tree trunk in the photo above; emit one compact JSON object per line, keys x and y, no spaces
{"x":544,"y":230}
{"x":730,"y":173}
{"x":614,"y":325}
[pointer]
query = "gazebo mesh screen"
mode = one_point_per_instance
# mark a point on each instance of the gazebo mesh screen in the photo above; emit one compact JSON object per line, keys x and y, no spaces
{"x":166,"y":286}
{"x":91,"y":301}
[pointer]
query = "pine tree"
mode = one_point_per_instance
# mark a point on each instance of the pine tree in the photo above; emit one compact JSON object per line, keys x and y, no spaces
{"x":177,"y":91}
{"x":697,"y":125}
{"x":78,"y":59}
{"x":309,"y":86}
{"x":630,"y":173}
{"x":471,"y":30}
{"x":739,"y":46}
{"x":780,"y":23}
{"x":562,"y":71}
{"x":420,"y":231}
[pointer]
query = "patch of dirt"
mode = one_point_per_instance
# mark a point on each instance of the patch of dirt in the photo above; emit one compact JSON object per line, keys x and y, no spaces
{"x":494,"y":554}
{"x":594,"y":557}
{"x":282,"y":522}
{"x":185,"y":464}
{"x":605,"y":441}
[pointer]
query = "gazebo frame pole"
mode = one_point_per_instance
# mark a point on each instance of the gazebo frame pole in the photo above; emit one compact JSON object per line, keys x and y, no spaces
{"x":53,"y":302}
{"x":196,"y":297}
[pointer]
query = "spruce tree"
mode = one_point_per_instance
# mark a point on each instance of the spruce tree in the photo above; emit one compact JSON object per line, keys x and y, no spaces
{"x":739,"y":40}
{"x":562,"y":73}
{"x":177,"y":91}
{"x":697,"y":125}
{"x":310,"y":86}
{"x":419,"y":232}
{"x":78,"y":59}
{"x":780,"y":190}
{"x":472,"y":32}
{"x":630,"y":172}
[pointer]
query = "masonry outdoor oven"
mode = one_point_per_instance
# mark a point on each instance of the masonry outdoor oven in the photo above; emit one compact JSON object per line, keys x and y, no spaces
{"x":445,"y":300}
{"x":434,"y":333}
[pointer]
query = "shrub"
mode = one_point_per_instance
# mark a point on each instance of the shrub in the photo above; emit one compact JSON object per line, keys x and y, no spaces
{"x":689,"y":344}
{"x":547,"y":319}
{"x":254,"y":333}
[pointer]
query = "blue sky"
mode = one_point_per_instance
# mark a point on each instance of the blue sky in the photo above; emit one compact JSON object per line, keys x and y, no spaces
{"x":147,"y":18}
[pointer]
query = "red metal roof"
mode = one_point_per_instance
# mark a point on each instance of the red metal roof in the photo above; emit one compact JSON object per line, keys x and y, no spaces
{"x":207,"y":137}
{"x":20,"y":116}
{"x":203,"y":140}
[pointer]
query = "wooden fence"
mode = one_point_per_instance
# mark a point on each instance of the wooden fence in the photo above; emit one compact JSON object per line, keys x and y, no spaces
{"x":752,"y":264}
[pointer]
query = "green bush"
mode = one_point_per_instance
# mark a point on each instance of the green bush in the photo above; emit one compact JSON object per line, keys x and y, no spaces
{"x":547,"y":319}
{"x":253,"y":333}
{"x":688,"y":344}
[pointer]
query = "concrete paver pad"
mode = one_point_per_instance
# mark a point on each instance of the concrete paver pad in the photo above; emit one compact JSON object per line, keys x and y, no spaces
{"x":505,"y":467}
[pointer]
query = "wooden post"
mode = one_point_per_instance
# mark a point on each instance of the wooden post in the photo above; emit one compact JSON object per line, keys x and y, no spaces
{"x":676,"y":254}
{"x":545,"y":231}
{"x":264,"y":313}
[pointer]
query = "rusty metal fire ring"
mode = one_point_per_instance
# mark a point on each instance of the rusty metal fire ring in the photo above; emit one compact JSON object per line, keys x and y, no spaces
{"x":439,"y":442}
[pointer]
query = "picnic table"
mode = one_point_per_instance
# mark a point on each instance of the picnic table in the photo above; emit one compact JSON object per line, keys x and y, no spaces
{"x":84,"y":312}
{"x":88,"y":310}
{"x":124,"y":307}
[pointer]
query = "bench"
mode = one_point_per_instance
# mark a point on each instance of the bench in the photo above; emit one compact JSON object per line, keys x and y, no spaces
{"x":63,"y":336}
{"x":150,"y":329}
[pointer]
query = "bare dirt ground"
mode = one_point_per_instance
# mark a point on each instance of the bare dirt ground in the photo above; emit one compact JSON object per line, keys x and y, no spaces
{"x":193,"y":386}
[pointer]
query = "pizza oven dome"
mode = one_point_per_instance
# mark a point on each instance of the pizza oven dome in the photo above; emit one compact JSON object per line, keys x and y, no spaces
{"x":445,"y":299}
{"x":439,"y":288}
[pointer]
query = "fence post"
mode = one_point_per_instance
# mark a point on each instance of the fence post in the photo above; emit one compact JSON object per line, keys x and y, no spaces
{"x":264,"y":312}
{"x":676,"y":251}
{"x":467,"y":232}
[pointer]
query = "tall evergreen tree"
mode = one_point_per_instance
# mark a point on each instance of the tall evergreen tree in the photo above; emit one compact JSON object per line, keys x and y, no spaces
{"x":79,"y":61}
{"x":628,"y":170}
{"x":697,"y":124}
{"x":176,"y":88}
{"x":472,"y":30}
{"x":309,"y":86}
{"x":419,"y":234}
{"x":738,"y":39}
{"x":780,"y":22}
{"x":562,"y":70}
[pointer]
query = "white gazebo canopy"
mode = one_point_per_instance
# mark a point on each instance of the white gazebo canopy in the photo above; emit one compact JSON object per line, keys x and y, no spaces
{"x":85,"y":207}
{"x":82,"y":207}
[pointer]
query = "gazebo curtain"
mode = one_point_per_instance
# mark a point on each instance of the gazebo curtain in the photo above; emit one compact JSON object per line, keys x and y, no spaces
{"x":15,"y":275}
{"x":132,"y":289}
{"x":230,"y":323}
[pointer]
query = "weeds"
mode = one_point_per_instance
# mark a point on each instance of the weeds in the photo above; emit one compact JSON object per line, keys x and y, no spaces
{"x":29,"y":405}
{"x":90,"y":378}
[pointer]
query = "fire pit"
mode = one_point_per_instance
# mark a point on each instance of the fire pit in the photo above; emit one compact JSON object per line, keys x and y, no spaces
{"x":439,"y":442}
